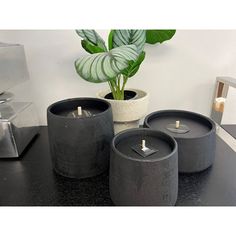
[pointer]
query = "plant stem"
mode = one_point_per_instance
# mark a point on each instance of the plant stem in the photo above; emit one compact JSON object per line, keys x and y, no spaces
{"x":116,"y":89}
{"x":119,"y":78}
{"x":125,"y":79}
{"x":112,"y":89}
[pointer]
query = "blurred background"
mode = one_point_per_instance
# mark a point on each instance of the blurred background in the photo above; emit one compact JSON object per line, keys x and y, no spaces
{"x":178,"y":74}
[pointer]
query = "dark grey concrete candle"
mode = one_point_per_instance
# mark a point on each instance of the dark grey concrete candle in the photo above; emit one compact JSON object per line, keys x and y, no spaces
{"x":80,"y":131}
{"x":194,"y":133}
{"x":143,"y":180}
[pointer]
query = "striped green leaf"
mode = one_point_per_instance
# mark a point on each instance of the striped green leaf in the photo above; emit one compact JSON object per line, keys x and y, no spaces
{"x":105,"y":66}
{"x":90,"y":48}
{"x":134,"y":67}
{"x":159,"y":36}
{"x":127,"y":37}
{"x":93,"y":41}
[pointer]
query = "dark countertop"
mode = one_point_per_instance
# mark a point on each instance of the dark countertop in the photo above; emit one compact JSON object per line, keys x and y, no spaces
{"x":231,"y":129}
{"x":30,"y":181}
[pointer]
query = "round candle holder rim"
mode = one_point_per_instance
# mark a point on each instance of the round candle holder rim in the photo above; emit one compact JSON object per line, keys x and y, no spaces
{"x":79,"y":99}
{"x":155,"y":113}
{"x":146,"y":95}
{"x":146,"y":159}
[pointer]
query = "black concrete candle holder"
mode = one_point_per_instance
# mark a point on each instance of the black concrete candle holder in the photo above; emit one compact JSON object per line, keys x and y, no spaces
{"x":194,"y":133}
{"x":143,"y":168}
{"x":80,"y":132}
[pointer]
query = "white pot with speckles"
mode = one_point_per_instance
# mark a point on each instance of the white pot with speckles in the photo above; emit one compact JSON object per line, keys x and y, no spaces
{"x":127,"y":113}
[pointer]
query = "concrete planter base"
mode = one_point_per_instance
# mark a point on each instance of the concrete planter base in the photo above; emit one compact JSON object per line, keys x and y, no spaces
{"x":127,"y":113}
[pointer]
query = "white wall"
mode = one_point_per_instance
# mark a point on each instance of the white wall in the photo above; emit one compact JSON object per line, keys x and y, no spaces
{"x":178,"y":74}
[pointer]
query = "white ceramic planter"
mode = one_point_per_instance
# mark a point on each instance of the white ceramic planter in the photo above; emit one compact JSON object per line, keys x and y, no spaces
{"x":127,"y":113}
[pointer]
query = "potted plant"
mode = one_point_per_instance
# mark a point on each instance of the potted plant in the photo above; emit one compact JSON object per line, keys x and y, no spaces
{"x":115,"y":64}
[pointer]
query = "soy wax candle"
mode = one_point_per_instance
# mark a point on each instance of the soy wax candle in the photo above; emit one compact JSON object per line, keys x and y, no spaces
{"x":143,"y":168}
{"x":194,"y":133}
{"x":80,"y":131}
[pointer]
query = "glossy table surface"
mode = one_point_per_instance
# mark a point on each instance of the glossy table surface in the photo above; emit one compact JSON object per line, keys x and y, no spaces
{"x":231,"y":129}
{"x":30,"y":181}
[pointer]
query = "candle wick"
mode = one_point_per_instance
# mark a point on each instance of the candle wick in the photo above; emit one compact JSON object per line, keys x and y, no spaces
{"x":177,"y":124}
{"x":79,"y":109}
{"x":144,"y":148}
{"x":143,"y":143}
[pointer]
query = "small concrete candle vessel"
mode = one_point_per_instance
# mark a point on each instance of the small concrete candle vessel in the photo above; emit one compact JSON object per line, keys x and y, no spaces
{"x":127,"y":113}
{"x":143,"y":168}
{"x":80,"y":131}
{"x":194,"y":133}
